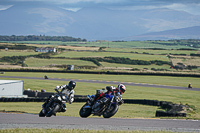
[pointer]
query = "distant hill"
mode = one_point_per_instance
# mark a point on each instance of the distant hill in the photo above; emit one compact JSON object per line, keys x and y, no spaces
{"x":95,"y":23}
{"x":183,"y":33}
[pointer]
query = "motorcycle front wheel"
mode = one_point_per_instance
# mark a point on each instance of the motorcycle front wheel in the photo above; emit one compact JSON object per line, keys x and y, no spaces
{"x":85,"y":112}
{"x":42,"y":114}
{"x":53,"y":111}
{"x":111,"y":111}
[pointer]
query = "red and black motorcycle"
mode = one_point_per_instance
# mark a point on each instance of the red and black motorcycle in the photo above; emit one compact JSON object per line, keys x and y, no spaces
{"x":106,"y":106}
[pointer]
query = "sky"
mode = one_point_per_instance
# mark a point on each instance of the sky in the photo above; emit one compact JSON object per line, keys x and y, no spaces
{"x":190,"y":6}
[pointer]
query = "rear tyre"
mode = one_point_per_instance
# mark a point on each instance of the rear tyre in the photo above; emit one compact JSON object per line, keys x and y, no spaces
{"x":85,"y":112}
{"x":110,"y":112}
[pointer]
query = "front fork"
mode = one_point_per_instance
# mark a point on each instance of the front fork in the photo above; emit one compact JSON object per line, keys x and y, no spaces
{"x":110,"y":102}
{"x":90,"y":99}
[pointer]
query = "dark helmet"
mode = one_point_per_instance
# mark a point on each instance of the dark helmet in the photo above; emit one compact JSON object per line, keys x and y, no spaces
{"x":71,"y":85}
{"x":121,"y":88}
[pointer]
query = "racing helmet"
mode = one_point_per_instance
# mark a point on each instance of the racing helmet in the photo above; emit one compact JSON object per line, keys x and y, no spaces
{"x":121,"y":88}
{"x":71,"y":85}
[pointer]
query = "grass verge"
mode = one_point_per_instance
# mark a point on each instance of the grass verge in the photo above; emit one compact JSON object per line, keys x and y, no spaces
{"x":160,"y":80}
{"x":125,"y":110}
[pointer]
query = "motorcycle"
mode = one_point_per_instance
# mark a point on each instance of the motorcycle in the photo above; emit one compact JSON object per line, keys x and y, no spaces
{"x":55,"y":103}
{"x":106,"y":106}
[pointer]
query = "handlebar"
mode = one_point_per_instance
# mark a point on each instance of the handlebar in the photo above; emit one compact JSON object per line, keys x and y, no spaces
{"x":57,"y":90}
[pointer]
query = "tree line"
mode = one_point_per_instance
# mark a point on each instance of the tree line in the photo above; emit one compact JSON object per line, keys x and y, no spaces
{"x":17,"y":47}
{"x":195,"y":43}
{"x":40,"y":38}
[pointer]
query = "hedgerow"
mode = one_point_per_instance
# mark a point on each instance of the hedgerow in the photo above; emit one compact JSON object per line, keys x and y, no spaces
{"x":122,"y":60}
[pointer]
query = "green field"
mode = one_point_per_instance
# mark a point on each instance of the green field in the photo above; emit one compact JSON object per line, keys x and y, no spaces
{"x":160,"y":80}
{"x":107,"y":66}
{"x":78,"y":54}
{"x":135,"y":50}
{"x":157,"y":52}
{"x":38,"y":62}
{"x":17,"y":53}
{"x":131,"y":44}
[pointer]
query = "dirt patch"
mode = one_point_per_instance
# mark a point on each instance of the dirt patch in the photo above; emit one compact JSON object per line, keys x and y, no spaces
{"x":9,"y":66}
{"x":20,"y":67}
{"x":79,"y":48}
{"x":186,"y":60}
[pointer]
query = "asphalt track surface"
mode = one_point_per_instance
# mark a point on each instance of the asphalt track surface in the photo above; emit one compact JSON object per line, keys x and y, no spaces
{"x":107,"y":82}
{"x":13,"y":120}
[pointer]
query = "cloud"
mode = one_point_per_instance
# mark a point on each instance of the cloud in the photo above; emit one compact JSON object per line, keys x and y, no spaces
{"x":113,"y":2}
{"x":67,"y":1}
{"x":4,"y":7}
{"x":191,"y":6}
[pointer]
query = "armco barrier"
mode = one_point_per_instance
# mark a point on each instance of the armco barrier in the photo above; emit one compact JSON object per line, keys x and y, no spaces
{"x":37,"y":94}
{"x":34,"y":94}
{"x":79,"y":98}
{"x":22,"y":99}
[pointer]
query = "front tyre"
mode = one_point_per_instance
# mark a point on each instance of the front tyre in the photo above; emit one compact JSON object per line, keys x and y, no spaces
{"x":53,"y":111}
{"x":111,"y":111}
{"x":42,"y":114}
{"x":85,"y":112}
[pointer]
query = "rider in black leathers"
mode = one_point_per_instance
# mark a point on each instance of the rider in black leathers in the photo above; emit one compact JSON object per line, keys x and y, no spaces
{"x":68,"y":90}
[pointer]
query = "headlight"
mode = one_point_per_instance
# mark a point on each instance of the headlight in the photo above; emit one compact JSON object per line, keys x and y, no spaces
{"x":59,"y":98}
{"x":63,"y":97}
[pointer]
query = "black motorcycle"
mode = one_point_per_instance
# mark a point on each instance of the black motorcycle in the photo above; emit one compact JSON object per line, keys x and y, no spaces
{"x":55,"y":103}
{"x":106,"y":106}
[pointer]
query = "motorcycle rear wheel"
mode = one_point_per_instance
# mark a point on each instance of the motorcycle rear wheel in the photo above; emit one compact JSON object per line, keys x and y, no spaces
{"x":110,"y":112}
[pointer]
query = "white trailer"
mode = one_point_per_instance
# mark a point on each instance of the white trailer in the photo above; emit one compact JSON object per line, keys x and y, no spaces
{"x":12,"y":88}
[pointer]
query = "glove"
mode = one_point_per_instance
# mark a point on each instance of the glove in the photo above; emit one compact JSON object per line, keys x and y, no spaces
{"x":57,"y":88}
{"x":62,"y":86}
{"x":118,"y":94}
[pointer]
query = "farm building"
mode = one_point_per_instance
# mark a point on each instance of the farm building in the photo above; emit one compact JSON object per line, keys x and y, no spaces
{"x":46,"y":49}
{"x":12,"y":88}
{"x":70,"y":67}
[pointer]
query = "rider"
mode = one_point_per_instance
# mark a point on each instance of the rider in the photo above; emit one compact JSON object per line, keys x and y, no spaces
{"x":118,"y":91}
{"x":121,"y":88}
{"x":68,"y":90}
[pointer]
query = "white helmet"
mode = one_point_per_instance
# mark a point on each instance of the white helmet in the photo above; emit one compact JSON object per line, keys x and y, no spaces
{"x":121,"y":88}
